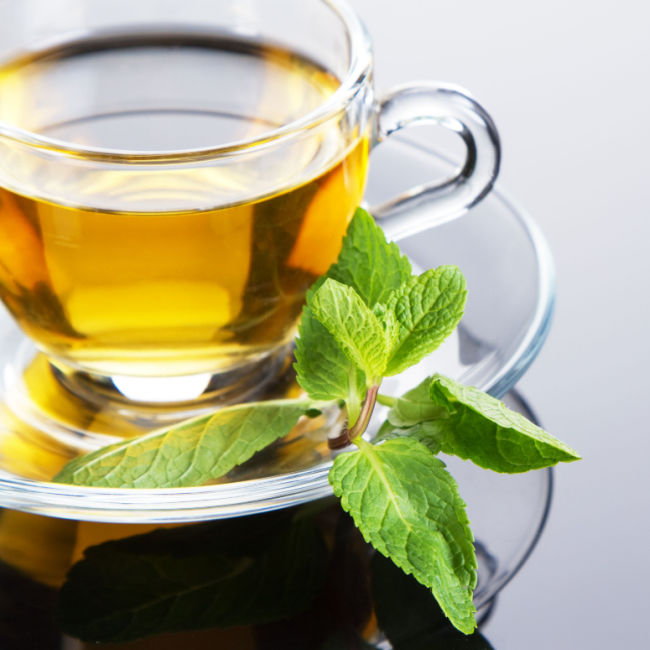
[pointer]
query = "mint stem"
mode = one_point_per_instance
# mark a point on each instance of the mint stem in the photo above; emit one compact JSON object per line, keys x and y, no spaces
{"x":386,"y":400}
{"x":353,"y":434}
{"x":366,"y":411}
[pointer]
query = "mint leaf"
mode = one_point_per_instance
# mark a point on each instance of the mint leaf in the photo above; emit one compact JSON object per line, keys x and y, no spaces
{"x":409,"y":617}
{"x":415,"y":406}
{"x":367,"y":263}
{"x":484,"y":430}
{"x":190,"y":453}
{"x":193,"y":577}
{"x":322,"y":369}
{"x":428,"y":308}
{"x":415,"y":415}
{"x":407,"y":506}
{"x":354,"y":326}
{"x":431,"y":433}
{"x":388,"y":320}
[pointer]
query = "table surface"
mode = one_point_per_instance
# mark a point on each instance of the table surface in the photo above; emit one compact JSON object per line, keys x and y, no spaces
{"x":567,"y":86}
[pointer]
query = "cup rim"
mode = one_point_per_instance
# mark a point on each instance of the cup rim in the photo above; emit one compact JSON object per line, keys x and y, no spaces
{"x":358,"y":70}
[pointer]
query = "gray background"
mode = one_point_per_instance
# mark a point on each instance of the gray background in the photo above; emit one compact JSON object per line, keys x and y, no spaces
{"x":568,"y":86}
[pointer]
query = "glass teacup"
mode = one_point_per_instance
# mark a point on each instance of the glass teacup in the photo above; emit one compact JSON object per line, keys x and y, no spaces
{"x":175,"y":175}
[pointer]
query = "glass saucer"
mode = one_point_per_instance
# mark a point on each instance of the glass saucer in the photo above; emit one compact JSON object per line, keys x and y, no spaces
{"x":510,"y":280}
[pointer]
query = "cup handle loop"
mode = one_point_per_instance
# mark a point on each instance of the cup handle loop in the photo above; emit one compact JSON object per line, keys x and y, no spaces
{"x":438,"y":202}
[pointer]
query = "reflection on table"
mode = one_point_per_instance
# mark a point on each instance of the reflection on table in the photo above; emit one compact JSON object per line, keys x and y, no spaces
{"x":301,"y":578}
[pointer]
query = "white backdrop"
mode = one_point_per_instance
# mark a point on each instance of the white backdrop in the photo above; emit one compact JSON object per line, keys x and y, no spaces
{"x":568,"y":86}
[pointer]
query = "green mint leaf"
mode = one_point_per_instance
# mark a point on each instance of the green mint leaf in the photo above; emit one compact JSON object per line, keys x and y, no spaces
{"x":388,"y":321}
{"x":323,"y":370}
{"x":409,"y":617}
{"x":415,"y":415}
{"x":431,"y":433}
{"x":407,"y":506}
{"x":189,"y":453}
{"x":193,"y":577}
{"x":428,"y":308}
{"x":367,"y":263}
{"x":415,"y":406}
{"x":354,"y":326}
{"x":484,"y":430}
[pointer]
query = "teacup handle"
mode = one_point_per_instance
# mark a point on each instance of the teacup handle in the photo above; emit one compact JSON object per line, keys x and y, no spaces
{"x":437,"y":202}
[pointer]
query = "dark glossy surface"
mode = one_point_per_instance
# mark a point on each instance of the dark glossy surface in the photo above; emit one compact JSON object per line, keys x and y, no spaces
{"x":298,"y":579}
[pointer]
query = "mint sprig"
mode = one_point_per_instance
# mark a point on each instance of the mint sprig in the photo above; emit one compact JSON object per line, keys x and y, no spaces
{"x":367,"y":318}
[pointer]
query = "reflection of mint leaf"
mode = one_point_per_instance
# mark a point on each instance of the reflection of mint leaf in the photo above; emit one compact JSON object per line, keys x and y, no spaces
{"x":367,"y":263}
{"x":409,"y":617}
{"x":192,"y":578}
{"x":484,"y":430}
{"x":407,"y":506}
{"x":323,"y":370}
{"x":415,"y":406}
{"x":428,"y":308}
{"x":190,"y":453}
{"x":357,"y":330}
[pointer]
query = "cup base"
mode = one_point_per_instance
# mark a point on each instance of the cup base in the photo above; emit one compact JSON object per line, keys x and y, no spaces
{"x":86,"y":411}
{"x":180,"y":393}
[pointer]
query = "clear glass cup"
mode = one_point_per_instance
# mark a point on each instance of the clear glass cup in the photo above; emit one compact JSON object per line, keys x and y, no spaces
{"x":175,"y":175}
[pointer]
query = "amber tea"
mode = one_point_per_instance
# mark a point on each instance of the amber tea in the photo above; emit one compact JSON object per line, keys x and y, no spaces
{"x":188,"y":269}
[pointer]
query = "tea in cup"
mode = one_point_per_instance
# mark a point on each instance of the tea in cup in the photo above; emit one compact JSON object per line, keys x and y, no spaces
{"x":174,"y":176}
